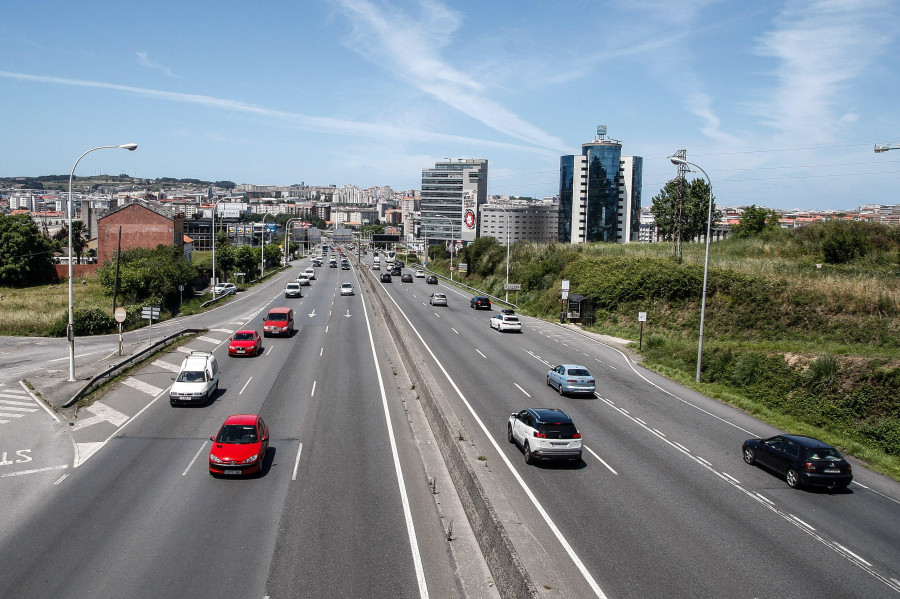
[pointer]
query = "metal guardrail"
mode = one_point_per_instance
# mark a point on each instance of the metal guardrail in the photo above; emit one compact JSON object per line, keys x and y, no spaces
{"x":115,"y":369}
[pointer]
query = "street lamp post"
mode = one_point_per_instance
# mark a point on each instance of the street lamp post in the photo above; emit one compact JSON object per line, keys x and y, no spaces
{"x":452,"y":243}
{"x":679,"y":161}
{"x":262,"y":247}
{"x":215,"y":207}
{"x":287,"y":230}
{"x":506,"y":287}
{"x":70,"y":329}
{"x":884,"y":148}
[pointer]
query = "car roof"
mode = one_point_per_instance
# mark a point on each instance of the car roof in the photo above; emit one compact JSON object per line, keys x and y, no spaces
{"x":279,"y":310}
{"x":804,"y":441}
{"x":568,"y":366}
{"x":244,"y":331}
{"x":550,"y":415}
{"x":241,"y":419}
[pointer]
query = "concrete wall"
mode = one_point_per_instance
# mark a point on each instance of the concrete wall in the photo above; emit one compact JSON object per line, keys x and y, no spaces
{"x":141,"y":227}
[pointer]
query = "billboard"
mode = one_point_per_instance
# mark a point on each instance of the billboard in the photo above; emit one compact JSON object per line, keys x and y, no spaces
{"x":469,"y":217}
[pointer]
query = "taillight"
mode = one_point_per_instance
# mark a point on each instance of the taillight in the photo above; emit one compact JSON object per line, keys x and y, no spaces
{"x":591,"y":381}
{"x":577,"y":436}
{"x":540,"y":435}
{"x":809,"y":467}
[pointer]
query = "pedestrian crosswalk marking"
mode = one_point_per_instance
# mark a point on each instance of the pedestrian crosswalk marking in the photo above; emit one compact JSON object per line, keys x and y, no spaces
{"x":208,"y":339}
{"x":141,"y":386}
{"x":101,"y":413}
{"x":227,"y":331}
{"x":166,"y":365}
{"x":7,"y":402}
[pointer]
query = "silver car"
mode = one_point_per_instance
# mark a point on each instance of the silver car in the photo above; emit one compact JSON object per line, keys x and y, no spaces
{"x":438,"y":299}
{"x":571,"y":378}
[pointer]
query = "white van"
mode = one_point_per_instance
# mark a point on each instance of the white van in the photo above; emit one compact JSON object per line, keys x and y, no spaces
{"x":197,"y":381}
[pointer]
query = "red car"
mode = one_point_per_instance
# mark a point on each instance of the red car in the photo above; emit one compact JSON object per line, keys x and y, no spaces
{"x":245,"y":343}
{"x":240,"y":447}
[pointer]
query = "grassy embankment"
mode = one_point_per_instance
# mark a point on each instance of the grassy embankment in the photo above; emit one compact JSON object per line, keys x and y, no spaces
{"x":809,"y":347}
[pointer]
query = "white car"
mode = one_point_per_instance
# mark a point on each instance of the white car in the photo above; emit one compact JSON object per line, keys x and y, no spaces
{"x":420,"y":274}
{"x":544,"y":434}
{"x":310,"y":274}
{"x":438,"y":299}
{"x":292,"y":289}
{"x":346,"y":289}
{"x":303,"y":279}
{"x":376,"y":266}
{"x":225,"y":289}
{"x":197,"y":380}
{"x":505,"y":322}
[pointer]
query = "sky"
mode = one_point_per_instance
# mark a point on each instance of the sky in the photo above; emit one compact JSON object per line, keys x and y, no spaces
{"x":780,"y":102}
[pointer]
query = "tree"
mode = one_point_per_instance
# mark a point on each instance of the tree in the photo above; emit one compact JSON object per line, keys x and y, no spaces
{"x":146,"y":274}
{"x":754,"y":221}
{"x":79,"y":238}
{"x":26,"y":255}
{"x":681,"y":210}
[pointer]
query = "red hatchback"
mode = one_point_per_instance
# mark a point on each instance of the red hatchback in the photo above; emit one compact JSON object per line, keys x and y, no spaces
{"x":240,"y":447}
{"x":245,"y":343}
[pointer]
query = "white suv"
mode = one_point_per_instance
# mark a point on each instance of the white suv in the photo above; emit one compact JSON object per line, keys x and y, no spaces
{"x":544,"y":434}
{"x":197,"y":381}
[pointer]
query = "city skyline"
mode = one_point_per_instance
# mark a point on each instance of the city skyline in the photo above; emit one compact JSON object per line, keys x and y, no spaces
{"x":780,"y":102}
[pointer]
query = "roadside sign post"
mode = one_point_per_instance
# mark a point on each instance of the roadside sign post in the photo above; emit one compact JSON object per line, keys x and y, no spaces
{"x":642,"y":318}
{"x":120,"y":318}
{"x":149,"y":313}
{"x":565,"y":298}
{"x":180,"y":296}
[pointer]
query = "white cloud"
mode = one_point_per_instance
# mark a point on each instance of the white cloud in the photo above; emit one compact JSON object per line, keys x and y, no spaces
{"x":411,"y":50}
{"x":820,"y":47}
{"x":144,"y":61}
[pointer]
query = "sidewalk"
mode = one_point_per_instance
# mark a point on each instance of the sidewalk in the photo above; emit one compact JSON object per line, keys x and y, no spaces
{"x":617,"y":342}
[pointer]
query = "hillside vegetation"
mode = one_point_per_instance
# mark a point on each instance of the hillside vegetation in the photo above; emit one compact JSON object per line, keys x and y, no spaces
{"x":801,"y":326}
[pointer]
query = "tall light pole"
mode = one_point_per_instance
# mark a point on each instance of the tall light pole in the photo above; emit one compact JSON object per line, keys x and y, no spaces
{"x":287,"y":230}
{"x":262,"y":247}
{"x":70,"y":329}
{"x":452,"y":242}
{"x":879,"y":149}
{"x":507,"y":252}
{"x":215,"y":207}
{"x":680,"y":161}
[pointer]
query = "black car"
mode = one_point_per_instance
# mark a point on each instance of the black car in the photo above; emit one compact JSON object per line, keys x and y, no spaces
{"x":431,"y":280}
{"x":400,"y":263}
{"x":407,"y":278}
{"x":396,"y":271}
{"x":507,"y":311}
{"x":479,"y":301}
{"x":803,"y":461}
{"x":385,"y":277}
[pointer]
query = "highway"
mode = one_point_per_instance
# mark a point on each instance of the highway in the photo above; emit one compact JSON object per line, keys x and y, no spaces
{"x":343,"y":507}
{"x":662,"y":504}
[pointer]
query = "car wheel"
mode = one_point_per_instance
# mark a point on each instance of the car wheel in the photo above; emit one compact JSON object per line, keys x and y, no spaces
{"x":548,"y":382}
{"x":509,"y":435}
{"x":559,"y":389}
{"x":793,"y":479}
{"x":529,"y":456}
{"x":749,"y":455}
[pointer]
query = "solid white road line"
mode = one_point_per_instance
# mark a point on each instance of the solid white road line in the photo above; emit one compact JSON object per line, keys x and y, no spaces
{"x":602,"y":461}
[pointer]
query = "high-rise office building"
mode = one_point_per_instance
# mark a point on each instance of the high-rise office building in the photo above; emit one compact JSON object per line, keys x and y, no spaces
{"x":452,"y":193}
{"x":600,"y":193}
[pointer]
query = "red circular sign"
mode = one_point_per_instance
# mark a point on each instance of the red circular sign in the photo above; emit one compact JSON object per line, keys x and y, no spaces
{"x":470,"y":219}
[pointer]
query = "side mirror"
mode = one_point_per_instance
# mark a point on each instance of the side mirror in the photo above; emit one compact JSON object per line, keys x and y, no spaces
{"x":173,"y":378}
{"x":213,"y":439}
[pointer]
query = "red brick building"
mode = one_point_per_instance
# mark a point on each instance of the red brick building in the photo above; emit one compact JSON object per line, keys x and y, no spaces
{"x":144,"y":224}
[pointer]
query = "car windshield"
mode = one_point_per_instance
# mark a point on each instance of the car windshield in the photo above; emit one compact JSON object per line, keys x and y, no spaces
{"x":578,"y":372}
{"x":192,"y":376}
{"x":277,"y":316}
{"x":824,"y":454}
{"x":237,"y":433}
{"x":243,"y":336}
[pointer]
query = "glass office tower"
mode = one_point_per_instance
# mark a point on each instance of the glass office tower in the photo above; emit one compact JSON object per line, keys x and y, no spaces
{"x":599,"y":193}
